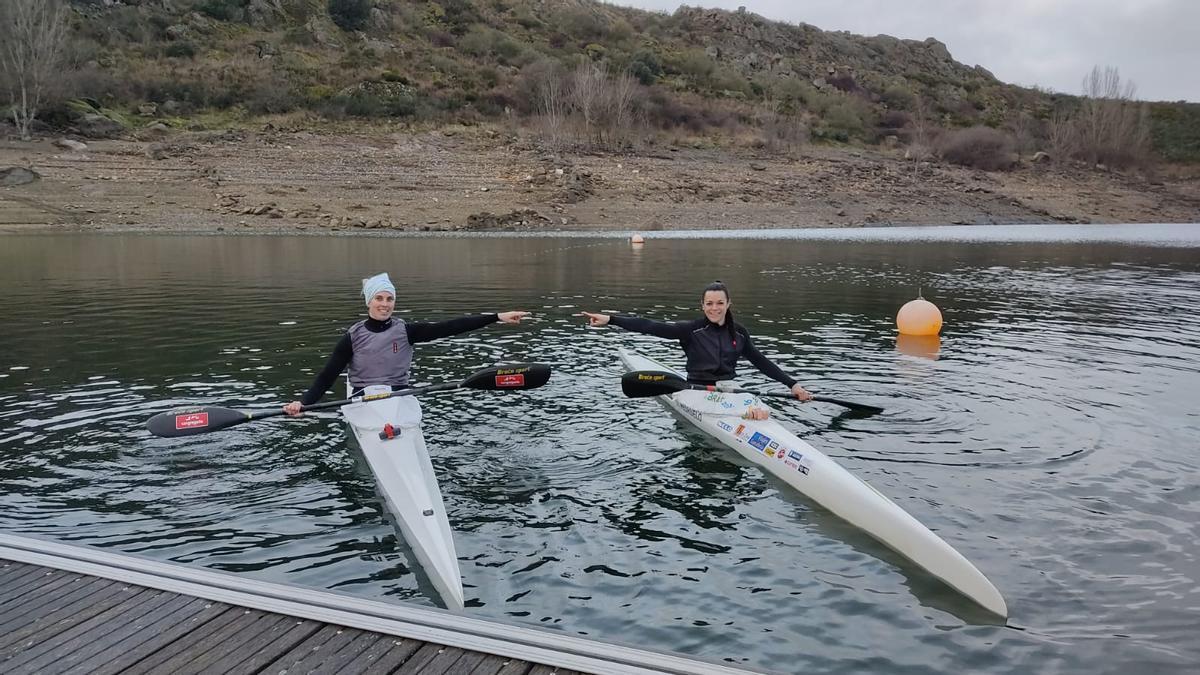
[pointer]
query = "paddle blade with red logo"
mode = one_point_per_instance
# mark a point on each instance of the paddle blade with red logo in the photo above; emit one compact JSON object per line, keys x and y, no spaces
{"x":192,"y":421}
{"x":516,"y":376}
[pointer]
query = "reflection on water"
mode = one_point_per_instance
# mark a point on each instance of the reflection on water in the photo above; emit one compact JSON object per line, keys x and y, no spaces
{"x":921,"y":346}
{"x":1048,"y":435}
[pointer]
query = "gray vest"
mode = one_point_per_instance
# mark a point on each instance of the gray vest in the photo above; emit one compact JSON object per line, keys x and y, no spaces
{"x":380,"y":358}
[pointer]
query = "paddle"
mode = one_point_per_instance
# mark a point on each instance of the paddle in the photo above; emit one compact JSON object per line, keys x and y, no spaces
{"x":643,"y":383}
{"x":201,"y":420}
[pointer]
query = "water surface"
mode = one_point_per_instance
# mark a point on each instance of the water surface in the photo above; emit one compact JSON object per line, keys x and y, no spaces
{"x":1050,"y":436}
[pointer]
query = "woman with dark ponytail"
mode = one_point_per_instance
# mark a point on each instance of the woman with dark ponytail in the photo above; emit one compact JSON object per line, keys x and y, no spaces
{"x":713,"y":343}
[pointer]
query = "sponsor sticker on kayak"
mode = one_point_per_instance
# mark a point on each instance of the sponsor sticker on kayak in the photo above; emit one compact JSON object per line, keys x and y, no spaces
{"x":725,"y":426}
{"x":512,"y":380}
{"x":194,"y":420}
{"x":796,"y":461}
{"x":692,"y":412}
{"x":759,"y":441}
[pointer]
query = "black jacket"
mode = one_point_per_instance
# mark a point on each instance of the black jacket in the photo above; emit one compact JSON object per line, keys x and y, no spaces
{"x":712,"y":351}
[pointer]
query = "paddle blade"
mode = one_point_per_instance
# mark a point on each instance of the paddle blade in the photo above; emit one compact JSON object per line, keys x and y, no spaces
{"x":515,"y":376}
{"x":857,"y":407}
{"x":643,"y":383}
{"x":192,"y":421}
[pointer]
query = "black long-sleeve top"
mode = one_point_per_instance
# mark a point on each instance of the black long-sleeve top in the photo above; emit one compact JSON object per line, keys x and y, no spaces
{"x":417,"y":331}
{"x":712,"y":351}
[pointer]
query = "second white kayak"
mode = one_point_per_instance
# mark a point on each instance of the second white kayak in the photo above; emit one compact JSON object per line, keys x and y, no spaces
{"x":409,"y":486}
{"x":773,"y":448}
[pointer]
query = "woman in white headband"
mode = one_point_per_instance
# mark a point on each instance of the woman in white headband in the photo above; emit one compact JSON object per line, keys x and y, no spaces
{"x":378,"y":349}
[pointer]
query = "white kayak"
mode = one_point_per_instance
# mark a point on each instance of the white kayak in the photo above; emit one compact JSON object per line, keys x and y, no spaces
{"x":409,"y":487}
{"x":779,"y":452}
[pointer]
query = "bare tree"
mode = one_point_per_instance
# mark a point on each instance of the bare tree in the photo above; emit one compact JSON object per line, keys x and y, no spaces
{"x":617,"y":109}
{"x":552,"y":103}
{"x":587,"y":92}
{"x":1060,"y":136}
{"x":921,"y":137}
{"x":783,"y":129}
{"x":32,"y":35}
{"x":1111,"y":127}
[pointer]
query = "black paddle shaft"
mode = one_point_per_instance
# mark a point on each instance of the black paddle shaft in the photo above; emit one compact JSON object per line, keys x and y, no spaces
{"x":204,"y":419}
{"x":642,"y":383}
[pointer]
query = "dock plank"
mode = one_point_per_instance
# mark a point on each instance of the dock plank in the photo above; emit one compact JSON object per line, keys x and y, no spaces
{"x":14,"y":570}
{"x":53,"y":597}
{"x":268,"y":647}
{"x":185,"y":641}
{"x":216,"y":643}
{"x":226,"y":644}
{"x":382,"y":656}
{"x":306,"y":648}
{"x":395,"y":657}
{"x":45,"y":620}
{"x":129,"y":639}
{"x":426,"y":654}
{"x":55,"y":635}
{"x":357,"y":646}
{"x":19,"y":590}
{"x":161,"y":642}
{"x":76,"y":643}
{"x":446,"y":657}
{"x":327,"y":650}
{"x":466,"y":663}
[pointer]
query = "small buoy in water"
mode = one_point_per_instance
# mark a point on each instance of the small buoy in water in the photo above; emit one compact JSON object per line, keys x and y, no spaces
{"x":637,"y":239}
{"x":923,"y":346}
{"x":919,"y":317}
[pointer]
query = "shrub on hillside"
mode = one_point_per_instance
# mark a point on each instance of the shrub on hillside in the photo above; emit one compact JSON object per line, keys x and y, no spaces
{"x":349,"y":14}
{"x":1175,"y":131}
{"x":894,"y":120}
{"x":223,"y":10}
{"x":180,"y":50}
{"x":977,"y":147}
{"x":646,"y":67}
{"x":897,"y":97}
{"x":272,"y":95}
{"x":581,"y":23}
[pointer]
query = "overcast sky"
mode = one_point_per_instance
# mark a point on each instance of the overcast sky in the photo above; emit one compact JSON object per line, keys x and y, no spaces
{"x":1050,"y":43}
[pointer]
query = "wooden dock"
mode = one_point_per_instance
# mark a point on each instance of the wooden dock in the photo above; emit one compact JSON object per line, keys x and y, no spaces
{"x":77,"y":609}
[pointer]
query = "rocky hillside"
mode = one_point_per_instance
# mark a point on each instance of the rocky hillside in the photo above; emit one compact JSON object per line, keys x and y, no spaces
{"x":699,"y":72}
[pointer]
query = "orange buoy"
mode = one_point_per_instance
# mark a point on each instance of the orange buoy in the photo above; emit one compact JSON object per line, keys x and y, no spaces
{"x":921,"y":346}
{"x":919,"y":317}
{"x":637,"y":239}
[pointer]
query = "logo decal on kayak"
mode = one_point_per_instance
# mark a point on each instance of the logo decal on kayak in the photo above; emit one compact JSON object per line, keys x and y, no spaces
{"x":514,"y":380}
{"x":726,"y":426}
{"x":759,"y":441}
{"x":741,"y":428}
{"x":692,"y":412}
{"x":191,"y":421}
{"x":796,"y":461}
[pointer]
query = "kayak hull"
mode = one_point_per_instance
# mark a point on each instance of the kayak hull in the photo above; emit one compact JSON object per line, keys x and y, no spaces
{"x":774,"y":449}
{"x":409,"y":486}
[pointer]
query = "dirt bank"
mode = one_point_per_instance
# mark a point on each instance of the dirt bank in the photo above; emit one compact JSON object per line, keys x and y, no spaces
{"x":479,"y":179}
